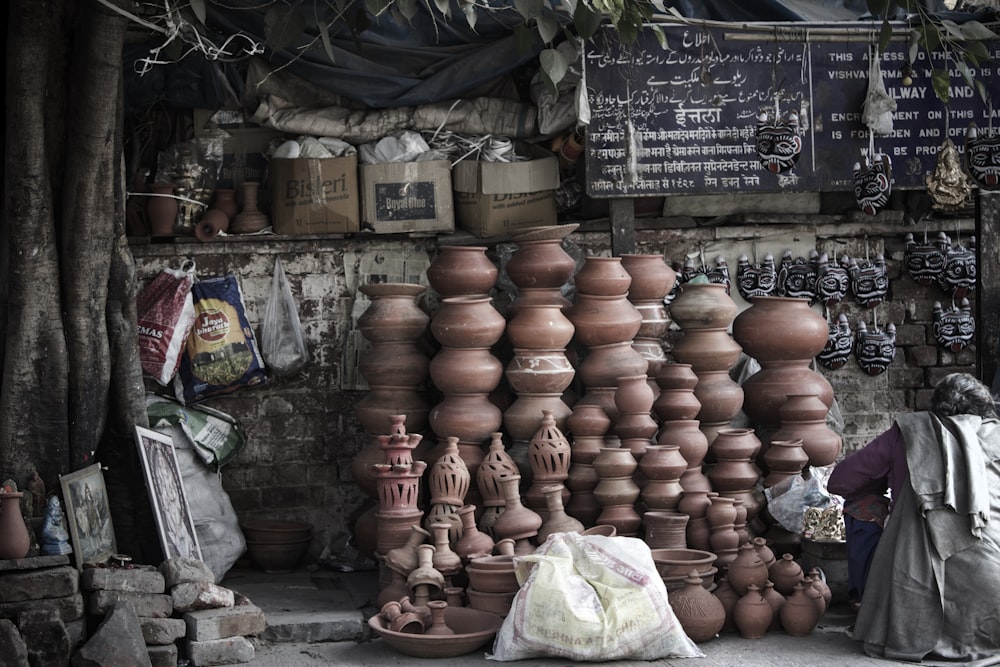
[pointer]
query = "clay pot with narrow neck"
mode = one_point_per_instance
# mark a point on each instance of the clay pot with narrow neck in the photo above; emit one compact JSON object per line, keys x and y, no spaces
{"x":250,"y":219}
{"x":517,"y":522}
{"x":462,"y":270}
{"x":752,"y":613}
{"x":748,"y":569}
{"x":556,"y":519}
{"x":15,"y":542}
{"x":224,"y":199}
{"x":700,"y":613}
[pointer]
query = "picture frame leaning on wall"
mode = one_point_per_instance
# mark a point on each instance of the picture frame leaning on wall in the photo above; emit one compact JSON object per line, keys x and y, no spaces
{"x":178,"y":536}
{"x":88,"y":515}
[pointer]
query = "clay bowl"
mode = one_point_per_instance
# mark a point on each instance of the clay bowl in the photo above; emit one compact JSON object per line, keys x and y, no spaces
{"x":675,"y":582}
{"x":473,"y":628}
{"x":495,"y":603}
{"x":275,"y":530}
{"x":278,"y":556}
{"x":680,"y":562}
{"x":492,"y":574}
{"x":602,"y":529}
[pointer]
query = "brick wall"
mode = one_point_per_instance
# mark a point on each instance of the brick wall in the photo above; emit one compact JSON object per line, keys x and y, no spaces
{"x":302,"y":433}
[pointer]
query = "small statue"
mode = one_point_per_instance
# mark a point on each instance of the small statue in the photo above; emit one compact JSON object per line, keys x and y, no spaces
{"x":37,"y":488}
{"x":55,"y":537}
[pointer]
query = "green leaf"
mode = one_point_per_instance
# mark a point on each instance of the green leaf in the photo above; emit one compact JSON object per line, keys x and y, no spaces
{"x":408,"y":8}
{"x":471,"y":15}
{"x":976,"y":51}
{"x":324,"y":36}
{"x":524,"y":38}
{"x":976,"y":30}
{"x":884,"y":35}
{"x":586,"y":21}
{"x":940,"y":80}
{"x":282,"y":27}
{"x":930,"y":38}
{"x":983,"y":95}
{"x":963,"y":68}
{"x":443,"y":6}
{"x":878,"y":7}
{"x":914,"y":46}
{"x":952,"y":29}
{"x":198,"y":7}
{"x":529,"y":9}
{"x":661,"y":36}
{"x":553,"y":64}
{"x":628,"y":32}
{"x":547,"y":28}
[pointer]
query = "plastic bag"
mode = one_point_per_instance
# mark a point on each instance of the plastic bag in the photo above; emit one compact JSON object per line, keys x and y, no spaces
{"x":282,"y":340}
{"x":165,"y":314}
{"x":214,"y":435}
{"x":593,"y":598}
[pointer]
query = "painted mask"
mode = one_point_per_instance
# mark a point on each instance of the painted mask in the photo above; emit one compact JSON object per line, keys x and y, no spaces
{"x":955,"y":327}
{"x":873,"y":183}
{"x":797,"y":278}
{"x":754,"y":280}
{"x":838,"y":345}
{"x":924,"y":263}
{"x":778,"y":141}
{"x":959,"y":273}
{"x":832,"y":281}
{"x":875,"y":350}
{"x":982,"y":157}
{"x":869,"y":281}
{"x":719,"y":274}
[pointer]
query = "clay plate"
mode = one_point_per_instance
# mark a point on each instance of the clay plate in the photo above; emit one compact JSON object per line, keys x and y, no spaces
{"x":473,"y":630}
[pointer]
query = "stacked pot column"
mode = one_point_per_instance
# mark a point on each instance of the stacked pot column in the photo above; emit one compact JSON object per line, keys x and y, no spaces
{"x":539,"y":371}
{"x":396,"y":369}
{"x":652,"y":281}
{"x":588,"y":424}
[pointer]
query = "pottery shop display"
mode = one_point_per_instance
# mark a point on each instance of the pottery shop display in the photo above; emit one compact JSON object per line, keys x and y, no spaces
{"x":617,"y":491}
{"x":700,"y":613}
{"x":471,"y":630}
{"x":803,"y":417}
{"x":462,"y":270}
{"x":785,"y":360}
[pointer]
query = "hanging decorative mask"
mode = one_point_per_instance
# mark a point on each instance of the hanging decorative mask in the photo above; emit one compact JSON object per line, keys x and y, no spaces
{"x":778,"y":141}
{"x":875,"y":350}
{"x":925,"y":262}
{"x":869,"y":281}
{"x":873,"y":182}
{"x":753,"y":280}
{"x":954,"y":328}
{"x":718,"y":274}
{"x":832,"y":280}
{"x":838,"y":345}
{"x":959,"y":273}
{"x":982,"y":157}
{"x":797,"y":278}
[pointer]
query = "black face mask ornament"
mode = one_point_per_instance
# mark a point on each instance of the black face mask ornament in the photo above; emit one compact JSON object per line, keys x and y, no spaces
{"x":753,"y":280}
{"x":955,"y":327}
{"x":875,"y":350}
{"x":838,"y":345}
{"x":982,"y":157}
{"x":797,"y":278}
{"x":959,"y":273}
{"x":832,"y":280}
{"x":869,"y":281}
{"x":925,"y":262}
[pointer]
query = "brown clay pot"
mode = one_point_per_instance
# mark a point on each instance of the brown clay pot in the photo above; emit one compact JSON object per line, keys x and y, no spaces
{"x":676,"y":404}
{"x":161,"y":210}
{"x":804,"y":331}
{"x":604,"y":364}
{"x":540,"y":327}
{"x":783,"y":458}
{"x":700,"y":613}
{"x":752,"y":614}
{"x":588,"y":419}
{"x":602,"y":276}
{"x":467,"y":321}
{"x":652,"y":277}
{"x":786,"y":574}
{"x":799,"y":614}
{"x":689,"y":439}
{"x":803,"y":417}
{"x":676,"y":376}
{"x":735,"y":443}
{"x":665,"y":529}
{"x":707,"y":349}
{"x":603,"y":319}
{"x":393,"y":314}
{"x":468,"y":417}
{"x":748,"y":569}
{"x":224,"y":199}
{"x":465,"y":370}
{"x":250,"y":219}
{"x":462,"y":270}
{"x":523,"y":417}
{"x":541,"y":263}
{"x":15,"y":541}
{"x":539,"y":371}
{"x":703,"y":306}
{"x":615,"y":462}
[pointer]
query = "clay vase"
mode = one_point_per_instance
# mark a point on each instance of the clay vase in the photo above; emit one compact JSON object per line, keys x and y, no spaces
{"x":615,"y":462}
{"x":541,"y":262}
{"x":587,"y":425}
{"x":539,"y":327}
{"x":473,"y":542}
{"x":752,"y":614}
{"x":403,"y":559}
{"x":224,"y":199}
{"x":776,"y":600}
{"x":803,"y":417}
{"x":250,"y":219}
{"x":518,"y":523}
{"x":784,"y":459}
{"x":765,"y":552}
{"x":652,"y":277}
{"x":556,"y":520}
{"x":785,"y":361}
{"x":662,"y":467}
{"x":700,"y":613}
{"x":438,"y":626}
{"x":393,"y":314}
{"x":444,"y":559}
{"x":703,"y":306}
{"x":735,"y":443}
{"x":728,"y":597}
{"x":799,"y":614}
{"x":786,"y":574}
{"x":462,"y":270}
{"x":161,"y":210}
{"x":686,"y":435}
{"x":15,"y":541}
{"x":819,"y":583}
{"x":748,"y":569}
{"x":676,"y":405}
{"x":602,"y":276}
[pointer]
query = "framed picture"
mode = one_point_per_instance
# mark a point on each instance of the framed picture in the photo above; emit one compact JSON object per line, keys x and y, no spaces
{"x":88,"y":515}
{"x":166,"y":494}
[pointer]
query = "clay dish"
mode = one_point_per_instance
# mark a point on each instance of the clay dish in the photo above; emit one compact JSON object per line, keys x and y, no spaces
{"x":473,"y":629}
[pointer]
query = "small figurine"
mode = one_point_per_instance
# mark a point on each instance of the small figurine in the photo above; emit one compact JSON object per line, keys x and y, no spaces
{"x":55,"y":538}
{"x":37,"y":488}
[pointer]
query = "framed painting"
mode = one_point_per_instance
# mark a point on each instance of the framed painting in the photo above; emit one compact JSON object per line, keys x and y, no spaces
{"x":88,"y":515}
{"x":165,"y":485}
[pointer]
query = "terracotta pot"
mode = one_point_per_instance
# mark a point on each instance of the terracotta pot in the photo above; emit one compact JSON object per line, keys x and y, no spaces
{"x":655,"y":323}
{"x":728,"y":597}
{"x":524,"y":415}
{"x":701,"y":306}
{"x":766,"y":391}
{"x":748,"y":569}
{"x":161,"y":210}
{"x":602,"y":276}
{"x":676,"y":376}
{"x":615,"y":462}
{"x":804,"y":331}
{"x":602,"y":320}
{"x":250,"y":219}
{"x":685,"y":434}
{"x":721,"y":511}
{"x":517,"y":522}
{"x":803,"y":417}
{"x":556,"y":519}
{"x":676,"y":404}
{"x":224,"y":199}
{"x":468,"y":417}
{"x":786,"y":574}
{"x":799,"y":614}
{"x":462,"y":270}
{"x":707,"y":350}
{"x":611,"y":491}
{"x":622,"y":517}
{"x":699,"y":534}
{"x":662,"y":462}
{"x":661,"y":494}
{"x":539,"y":371}
{"x":448,"y":478}
{"x":403,"y":559}
{"x":735,"y":443}
{"x":752,"y":614}
{"x":395,"y":363}
{"x":456,"y":370}
{"x":467,"y":321}
{"x":15,"y":541}
{"x":784,"y":458}
{"x":665,"y":529}
{"x":540,"y":327}
{"x":548,"y":296}
{"x":588,"y":420}
{"x":720,"y":397}
{"x":695,"y":503}
{"x":700,"y":613}
{"x":652,"y":277}
{"x":582,"y":504}
{"x":777,"y":601}
{"x":541,"y":263}
{"x":604,"y":364}
{"x":393,"y":314}
{"x":633,"y":395}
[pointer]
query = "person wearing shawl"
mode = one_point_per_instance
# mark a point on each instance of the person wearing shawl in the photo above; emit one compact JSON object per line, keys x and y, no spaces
{"x":929,"y":584}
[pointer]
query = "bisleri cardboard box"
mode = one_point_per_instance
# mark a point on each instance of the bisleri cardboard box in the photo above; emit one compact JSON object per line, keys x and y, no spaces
{"x":314,"y":195}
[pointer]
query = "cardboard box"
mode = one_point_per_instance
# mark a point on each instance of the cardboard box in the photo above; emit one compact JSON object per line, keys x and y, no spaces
{"x":497,"y":198}
{"x":398,"y":197}
{"x":244,"y":146}
{"x":314,"y":195}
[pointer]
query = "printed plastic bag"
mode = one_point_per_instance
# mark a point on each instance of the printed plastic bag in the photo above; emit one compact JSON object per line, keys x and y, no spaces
{"x":221,"y":354}
{"x":593,"y":598}
{"x":281,"y":337}
{"x":165,"y":313}
{"x":214,"y":435}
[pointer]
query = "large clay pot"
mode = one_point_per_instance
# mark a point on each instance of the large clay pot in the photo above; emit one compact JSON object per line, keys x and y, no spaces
{"x":689,"y":439}
{"x":540,"y":327}
{"x":615,"y":462}
{"x":467,"y":321}
{"x":786,"y":574}
{"x":468,"y":417}
{"x":700,"y":613}
{"x":799,"y":614}
{"x":748,"y":569}
{"x":704,"y":306}
{"x":541,"y":262}
{"x":523,"y":417}
{"x":465,"y":370}
{"x":393,"y":314}
{"x":14,"y":538}
{"x":803,"y":417}
{"x":676,"y":376}
{"x":602,"y":276}
{"x":602,"y":320}
{"x":804,"y":331}
{"x":676,"y":404}
{"x":539,"y":371}
{"x":707,"y":349}
{"x":588,"y":420}
{"x":462,"y":270}
{"x":720,"y":398}
{"x":604,"y":364}
{"x":784,"y":459}
{"x":652,"y":277}
{"x":395,"y":363}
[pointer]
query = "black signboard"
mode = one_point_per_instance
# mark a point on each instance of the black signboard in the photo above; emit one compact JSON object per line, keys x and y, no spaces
{"x":682,"y":120}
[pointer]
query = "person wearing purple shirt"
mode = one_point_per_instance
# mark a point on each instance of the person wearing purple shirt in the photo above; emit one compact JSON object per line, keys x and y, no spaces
{"x":924,"y":562}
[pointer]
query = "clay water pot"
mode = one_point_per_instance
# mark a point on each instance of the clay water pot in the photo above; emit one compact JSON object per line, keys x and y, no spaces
{"x":799,"y":614}
{"x":652,"y":277}
{"x":703,"y":306}
{"x":603,"y":319}
{"x":468,"y":417}
{"x":604,"y":364}
{"x":467,"y":321}
{"x":473,"y":542}
{"x":556,"y":519}
{"x":602,"y":276}
{"x":776,"y":600}
{"x":803,"y":417}
{"x":665,"y":529}
{"x":748,"y":569}
{"x":539,"y":371}
{"x":804,"y":331}
{"x":540,"y":327}
{"x":735,"y":443}
{"x":517,"y":522}
{"x":783,"y":458}
{"x":700,"y":613}
{"x":540,"y":260}
{"x":687,"y":437}
{"x":786,"y":574}
{"x":393,"y":314}
{"x":676,"y":404}
{"x":462,"y":270}
{"x":752,"y":614}
{"x":615,"y":462}
{"x":465,"y":370}
{"x":676,"y":376}
{"x":588,"y":420}
{"x":728,"y":597}
{"x":707,"y":350}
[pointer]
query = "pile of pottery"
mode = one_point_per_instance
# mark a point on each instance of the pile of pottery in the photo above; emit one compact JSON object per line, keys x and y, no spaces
{"x":434,"y":630}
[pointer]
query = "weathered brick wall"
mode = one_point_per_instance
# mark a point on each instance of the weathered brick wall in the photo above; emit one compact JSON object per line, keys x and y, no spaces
{"x":302,"y":430}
